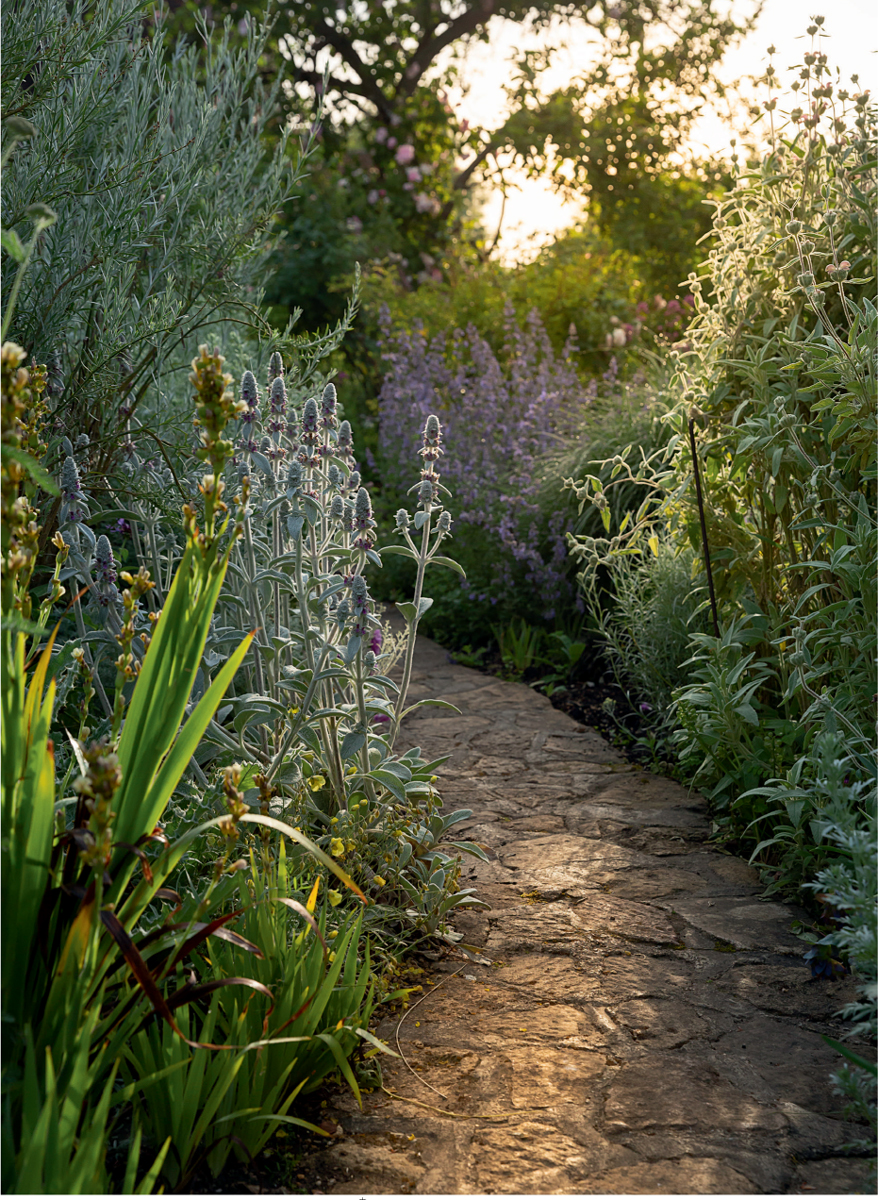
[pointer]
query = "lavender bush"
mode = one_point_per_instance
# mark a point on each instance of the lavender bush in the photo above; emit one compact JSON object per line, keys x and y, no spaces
{"x":502,"y":415}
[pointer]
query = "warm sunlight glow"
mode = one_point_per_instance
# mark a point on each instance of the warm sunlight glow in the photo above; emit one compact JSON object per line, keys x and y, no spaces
{"x":533,"y":213}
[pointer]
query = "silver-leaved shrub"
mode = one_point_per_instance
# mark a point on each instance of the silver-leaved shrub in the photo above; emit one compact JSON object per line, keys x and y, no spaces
{"x":779,"y":386}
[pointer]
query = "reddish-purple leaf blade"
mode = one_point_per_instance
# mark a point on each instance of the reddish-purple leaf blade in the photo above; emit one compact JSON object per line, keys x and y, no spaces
{"x":144,"y":861}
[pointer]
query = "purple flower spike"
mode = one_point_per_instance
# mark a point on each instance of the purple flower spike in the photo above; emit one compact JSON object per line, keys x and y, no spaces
{"x":345,"y":439}
{"x":278,"y":396}
{"x":249,"y":390}
{"x":328,"y":403}
{"x":309,"y":418}
{"x":105,"y":564}
{"x":360,"y":605}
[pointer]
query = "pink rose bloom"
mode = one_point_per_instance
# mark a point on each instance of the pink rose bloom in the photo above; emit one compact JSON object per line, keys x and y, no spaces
{"x":413,"y":175}
{"x":391,"y":142}
{"x":426,"y":204}
{"x":404,"y":154}
{"x":380,"y":134}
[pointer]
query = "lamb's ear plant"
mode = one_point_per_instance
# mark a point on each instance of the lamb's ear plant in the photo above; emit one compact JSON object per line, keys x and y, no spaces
{"x":313,"y":713}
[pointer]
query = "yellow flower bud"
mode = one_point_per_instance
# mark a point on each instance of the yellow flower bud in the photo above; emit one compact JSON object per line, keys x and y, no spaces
{"x":334,"y":897}
{"x":337,"y":848}
{"x":316,"y":782}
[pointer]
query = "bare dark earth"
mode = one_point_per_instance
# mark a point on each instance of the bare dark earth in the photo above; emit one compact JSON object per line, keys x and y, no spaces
{"x":645,"y":1024}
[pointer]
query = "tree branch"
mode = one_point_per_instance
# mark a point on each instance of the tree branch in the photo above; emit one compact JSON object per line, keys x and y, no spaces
{"x":432,"y":44}
{"x":342,"y":45}
{"x":461,"y":181}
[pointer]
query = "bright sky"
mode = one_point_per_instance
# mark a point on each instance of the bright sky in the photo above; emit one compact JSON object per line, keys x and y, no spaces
{"x":534,"y":213}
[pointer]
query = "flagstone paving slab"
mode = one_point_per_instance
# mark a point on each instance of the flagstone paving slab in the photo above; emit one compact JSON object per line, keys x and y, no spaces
{"x":637,"y":1020}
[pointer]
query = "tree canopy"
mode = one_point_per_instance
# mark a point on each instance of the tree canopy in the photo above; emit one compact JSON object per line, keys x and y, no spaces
{"x":398,"y":171}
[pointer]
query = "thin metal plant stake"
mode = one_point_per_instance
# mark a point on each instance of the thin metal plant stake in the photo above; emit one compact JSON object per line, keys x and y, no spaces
{"x":704,"y":544}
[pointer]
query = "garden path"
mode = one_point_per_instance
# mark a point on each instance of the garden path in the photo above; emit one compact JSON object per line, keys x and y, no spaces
{"x":641,"y":1023}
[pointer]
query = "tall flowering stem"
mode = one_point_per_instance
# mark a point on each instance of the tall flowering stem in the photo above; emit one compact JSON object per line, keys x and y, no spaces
{"x":215,"y":406}
{"x":21,"y":392}
{"x":127,"y":665}
{"x":429,"y":505}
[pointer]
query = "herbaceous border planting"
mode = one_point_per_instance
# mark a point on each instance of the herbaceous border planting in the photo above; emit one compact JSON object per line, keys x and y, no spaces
{"x":330,"y":537}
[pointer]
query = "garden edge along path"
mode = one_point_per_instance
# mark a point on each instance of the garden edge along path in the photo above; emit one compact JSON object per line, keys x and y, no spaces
{"x":642,"y":1023}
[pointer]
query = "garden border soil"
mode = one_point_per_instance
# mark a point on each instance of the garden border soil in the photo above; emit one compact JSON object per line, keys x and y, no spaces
{"x":640,"y":1022}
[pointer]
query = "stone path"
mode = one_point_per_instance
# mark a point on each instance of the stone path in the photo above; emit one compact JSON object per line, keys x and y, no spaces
{"x":646,"y":1023}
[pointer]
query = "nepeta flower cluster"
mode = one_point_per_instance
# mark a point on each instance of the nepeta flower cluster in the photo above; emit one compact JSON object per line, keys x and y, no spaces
{"x":499,"y":416}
